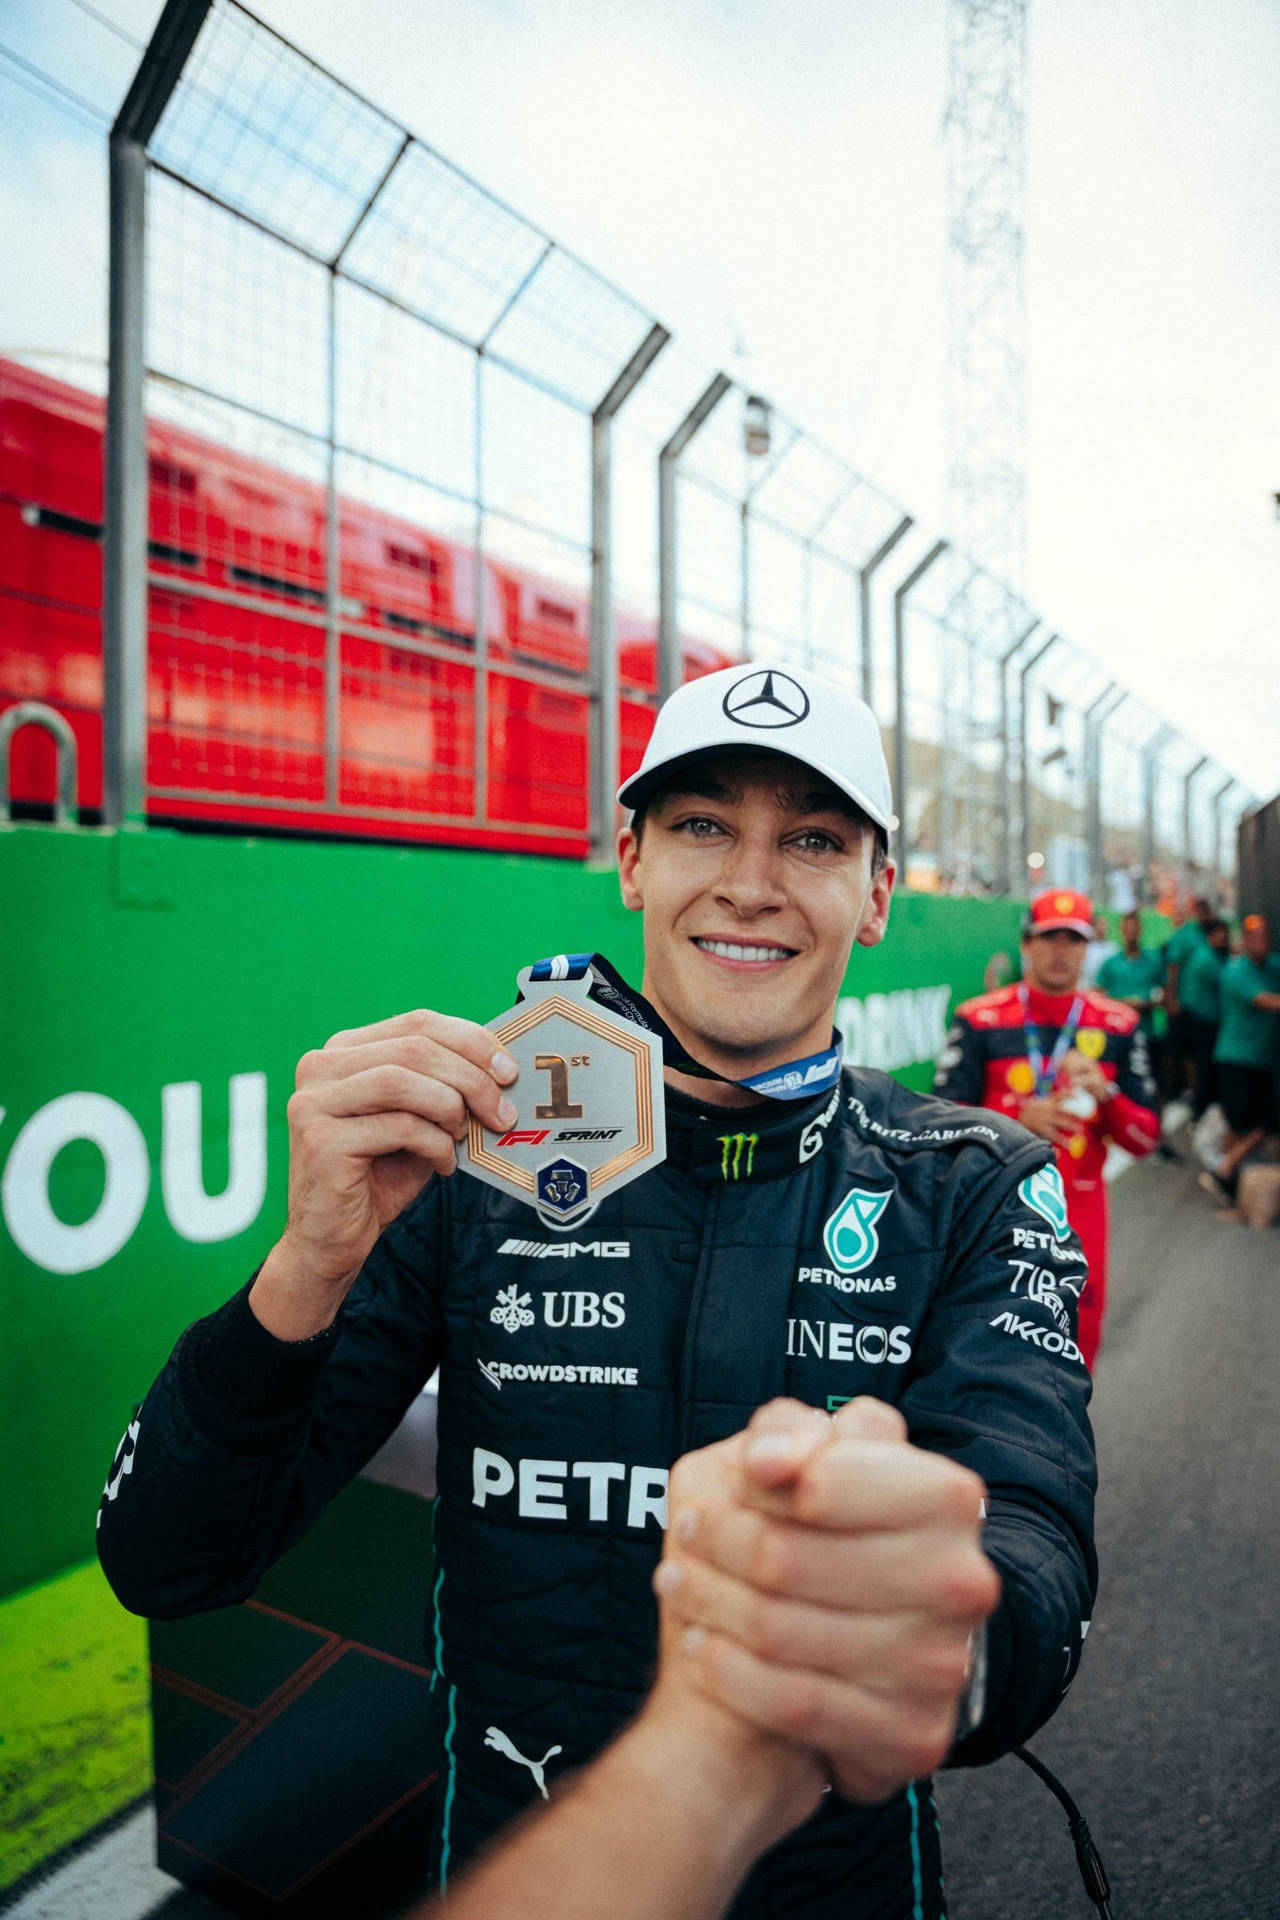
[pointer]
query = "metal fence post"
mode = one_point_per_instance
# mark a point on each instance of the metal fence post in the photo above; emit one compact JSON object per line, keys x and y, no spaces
{"x":1188,"y":838}
{"x":772,"y":461}
{"x":1150,"y":756}
{"x":1094,"y":721}
{"x":1218,"y":798}
{"x":810,"y":541}
{"x":1024,"y":766}
{"x":865,"y":574}
{"x":670,"y":665}
{"x":124,"y":578}
{"x":333,"y":513}
{"x":604,"y":652}
{"x":900,"y":763}
{"x":333,"y":562}
{"x":1005,"y":875}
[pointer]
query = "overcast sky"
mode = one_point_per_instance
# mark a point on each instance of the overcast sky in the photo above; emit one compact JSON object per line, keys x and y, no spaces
{"x":774,"y":174}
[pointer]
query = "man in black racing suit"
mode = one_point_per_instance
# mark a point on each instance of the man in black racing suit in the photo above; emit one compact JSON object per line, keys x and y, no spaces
{"x":864,"y":1241}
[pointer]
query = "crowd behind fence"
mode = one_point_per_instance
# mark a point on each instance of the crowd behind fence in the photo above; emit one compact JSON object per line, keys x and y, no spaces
{"x":299,"y":280}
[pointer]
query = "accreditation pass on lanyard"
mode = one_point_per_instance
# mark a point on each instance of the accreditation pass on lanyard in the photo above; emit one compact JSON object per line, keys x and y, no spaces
{"x":1046,"y":1071}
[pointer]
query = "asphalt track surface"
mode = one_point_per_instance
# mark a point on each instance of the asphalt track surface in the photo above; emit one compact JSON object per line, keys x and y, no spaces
{"x":1168,"y":1739}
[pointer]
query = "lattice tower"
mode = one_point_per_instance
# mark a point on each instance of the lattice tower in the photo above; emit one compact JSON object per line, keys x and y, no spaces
{"x":986,"y":125}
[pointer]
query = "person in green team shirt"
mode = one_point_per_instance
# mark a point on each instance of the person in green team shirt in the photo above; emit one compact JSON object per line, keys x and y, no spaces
{"x":1200,"y":978}
{"x":1177,"y":1045}
{"x":1133,"y":976}
{"x":1137,"y":979}
{"x":1248,"y":1047}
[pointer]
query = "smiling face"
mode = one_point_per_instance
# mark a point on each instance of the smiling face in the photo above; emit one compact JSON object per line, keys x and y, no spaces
{"x":755,"y":879}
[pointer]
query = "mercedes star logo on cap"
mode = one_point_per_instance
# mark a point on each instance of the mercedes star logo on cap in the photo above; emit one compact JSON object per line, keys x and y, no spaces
{"x":766,"y":699}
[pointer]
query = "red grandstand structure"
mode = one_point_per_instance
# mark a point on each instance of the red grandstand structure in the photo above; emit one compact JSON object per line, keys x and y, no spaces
{"x":238,"y":636}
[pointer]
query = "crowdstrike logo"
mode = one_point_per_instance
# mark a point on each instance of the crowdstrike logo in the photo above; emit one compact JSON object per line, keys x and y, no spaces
{"x":766,"y":699}
{"x":850,"y":1236}
{"x":552,"y":1374}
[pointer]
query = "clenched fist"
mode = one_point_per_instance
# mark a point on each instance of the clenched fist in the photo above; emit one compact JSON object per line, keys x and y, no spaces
{"x":830,"y":1578}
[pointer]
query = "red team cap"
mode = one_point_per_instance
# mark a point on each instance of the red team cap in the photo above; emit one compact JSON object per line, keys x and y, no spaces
{"x":1060,"y":907}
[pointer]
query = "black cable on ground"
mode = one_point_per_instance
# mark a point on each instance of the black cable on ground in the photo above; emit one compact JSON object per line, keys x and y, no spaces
{"x":1088,"y":1859}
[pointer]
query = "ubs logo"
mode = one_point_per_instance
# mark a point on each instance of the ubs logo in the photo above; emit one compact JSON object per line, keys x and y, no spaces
{"x":766,"y":699}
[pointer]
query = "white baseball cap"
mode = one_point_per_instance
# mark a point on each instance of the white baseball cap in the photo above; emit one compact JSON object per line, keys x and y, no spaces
{"x":764,"y":709}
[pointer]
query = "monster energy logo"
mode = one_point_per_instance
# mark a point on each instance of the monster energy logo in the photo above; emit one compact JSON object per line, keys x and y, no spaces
{"x":732,"y":1148}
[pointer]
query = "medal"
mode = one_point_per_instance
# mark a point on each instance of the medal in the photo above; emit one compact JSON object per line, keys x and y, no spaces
{"x":590,"y":1097}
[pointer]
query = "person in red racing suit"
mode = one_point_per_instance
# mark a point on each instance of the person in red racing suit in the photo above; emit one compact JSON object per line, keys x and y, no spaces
{"x":1070,"y":1064}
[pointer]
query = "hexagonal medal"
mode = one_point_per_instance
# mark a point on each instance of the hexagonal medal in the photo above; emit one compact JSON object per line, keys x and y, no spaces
{"x":589,"y":1095}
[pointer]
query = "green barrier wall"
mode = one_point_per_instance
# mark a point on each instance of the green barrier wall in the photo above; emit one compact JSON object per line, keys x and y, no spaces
{"x":158,"y":984}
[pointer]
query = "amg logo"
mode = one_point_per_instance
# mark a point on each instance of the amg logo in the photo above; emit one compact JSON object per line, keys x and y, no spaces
{"x":589,"y":1133}
{"x":841,"y":1340}
{"x":1047,"y":1338}
{"x":543,"y":1488}
{"x":568,"y":1249}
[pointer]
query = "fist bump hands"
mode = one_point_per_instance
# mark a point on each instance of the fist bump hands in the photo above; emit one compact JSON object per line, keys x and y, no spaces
{"x":824,"y":1579}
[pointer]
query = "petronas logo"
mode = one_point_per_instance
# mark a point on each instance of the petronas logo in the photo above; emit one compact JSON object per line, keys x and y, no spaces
{"x":738,"y":1155}
{"x":850,"y":1236}
{"x":1044,"y":1194}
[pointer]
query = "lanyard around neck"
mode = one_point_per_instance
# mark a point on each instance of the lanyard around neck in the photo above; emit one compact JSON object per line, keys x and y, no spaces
{"x":1046,"y":1071}
{"x":793,"y":1080}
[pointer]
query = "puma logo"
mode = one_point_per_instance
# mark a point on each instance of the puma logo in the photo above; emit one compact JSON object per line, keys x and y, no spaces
{"x":495,"y":1737}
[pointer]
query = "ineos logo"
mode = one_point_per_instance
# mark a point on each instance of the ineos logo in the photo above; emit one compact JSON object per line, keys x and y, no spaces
{"x":766,"y":699}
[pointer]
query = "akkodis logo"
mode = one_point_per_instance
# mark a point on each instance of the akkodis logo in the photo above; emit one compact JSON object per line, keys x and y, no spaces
{"x":1043,"y":1193}
{"x":850,"y":1236}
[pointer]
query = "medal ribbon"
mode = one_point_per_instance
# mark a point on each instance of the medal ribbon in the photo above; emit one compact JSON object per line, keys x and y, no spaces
{"x":1046,"y":1071}
{"x":793,"y":1080}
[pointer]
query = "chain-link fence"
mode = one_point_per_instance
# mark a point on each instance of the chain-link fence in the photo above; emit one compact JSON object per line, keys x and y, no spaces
{"x":435,"y":512}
